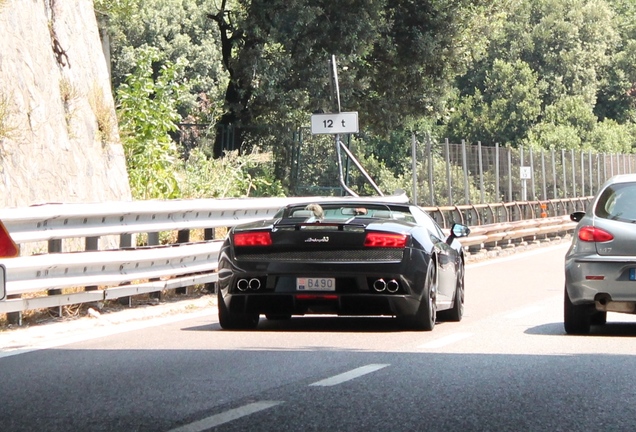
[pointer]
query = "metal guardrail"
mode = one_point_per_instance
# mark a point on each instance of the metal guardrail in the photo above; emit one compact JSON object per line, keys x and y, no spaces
{"x":58,"y":278}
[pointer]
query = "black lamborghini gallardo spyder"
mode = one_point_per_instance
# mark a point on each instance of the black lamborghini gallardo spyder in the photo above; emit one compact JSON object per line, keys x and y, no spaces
{"x":342,"y":258}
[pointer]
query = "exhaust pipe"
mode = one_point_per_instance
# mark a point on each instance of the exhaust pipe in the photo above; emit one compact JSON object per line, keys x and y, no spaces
{"x":242,"y":285}
{"x":379,"y":285}
{"x":254,"y":284}
{"x":392,"y":286}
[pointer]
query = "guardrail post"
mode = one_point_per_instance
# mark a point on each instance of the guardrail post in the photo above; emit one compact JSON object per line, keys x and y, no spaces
{"x":91,"y":244}
{"x":153,"y":240}
{"x":55,"y":246}
{"x":14,"y":318}
{"x":208,"y":234}
{"x":125,"y":241}
{"x":183,"y":236}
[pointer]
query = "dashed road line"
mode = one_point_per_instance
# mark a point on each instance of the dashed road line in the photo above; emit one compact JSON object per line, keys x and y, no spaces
{"x":227,"y":416}
{"x":347,"y":376}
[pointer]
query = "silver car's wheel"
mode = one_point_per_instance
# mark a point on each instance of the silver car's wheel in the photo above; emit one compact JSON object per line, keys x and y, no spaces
{"x":576,"y":318}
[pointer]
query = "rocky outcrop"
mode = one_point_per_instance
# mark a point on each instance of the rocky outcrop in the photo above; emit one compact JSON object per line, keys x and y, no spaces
{"x":58,"y":132}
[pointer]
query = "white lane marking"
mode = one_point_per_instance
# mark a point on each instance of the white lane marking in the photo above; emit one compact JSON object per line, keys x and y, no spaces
{"x":441,"y":342}
{"x":355,"y":373}
{"x":94,"y":331}
{"x":227,"y":416}
{"x":519,"y":255}
{"x":522,"y":313}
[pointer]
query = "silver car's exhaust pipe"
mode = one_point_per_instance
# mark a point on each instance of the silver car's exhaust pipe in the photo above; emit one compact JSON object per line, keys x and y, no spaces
{"x":254,"y":284}
{"x":379,"y":285}
{"x":392,"y":286}
{"x":242,"y":285}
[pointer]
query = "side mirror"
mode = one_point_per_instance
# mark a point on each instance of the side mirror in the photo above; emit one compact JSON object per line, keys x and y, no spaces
{"x":457,"y":230}
{"x":577,"y":216}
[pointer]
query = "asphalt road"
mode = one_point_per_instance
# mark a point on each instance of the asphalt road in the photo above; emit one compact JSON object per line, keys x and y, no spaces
{"x":507,"y":366}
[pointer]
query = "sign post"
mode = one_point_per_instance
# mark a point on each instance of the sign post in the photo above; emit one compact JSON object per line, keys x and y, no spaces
{"x":525,"y":174}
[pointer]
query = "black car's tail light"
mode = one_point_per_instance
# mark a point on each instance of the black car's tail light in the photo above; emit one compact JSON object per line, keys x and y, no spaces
{"x":253,"y":238}
{"x":385,"y":240}
{"x":593,"y":234}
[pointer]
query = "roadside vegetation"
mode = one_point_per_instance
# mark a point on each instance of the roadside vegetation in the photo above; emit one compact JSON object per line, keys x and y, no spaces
{"x":240,"y":78}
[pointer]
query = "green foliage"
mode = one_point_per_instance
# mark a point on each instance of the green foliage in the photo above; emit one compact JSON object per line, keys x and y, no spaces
{"x":182,"y":32}
{"x":147,"y":112}
{"x":553,"y":67}
{"x":231,"y":176}
{"x":509,"y":104}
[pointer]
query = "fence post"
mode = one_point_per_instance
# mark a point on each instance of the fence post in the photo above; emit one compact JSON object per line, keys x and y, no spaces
{"x":573,"y":174}
{"x":545,"y":192}
{"x":448,"y":172}
{"x":565,"y":178}
{"x":497,"y":171}
{"x":414,"y":167}
{"x":481,"y":174}
{"x":554,"y":175}
{"x":431,"y":178}
{"x":509,"y":174}
{"x":524,"y":184}
{"x":534,"y":192}
{"x":465,"y":166}
{"x":582,"y":174}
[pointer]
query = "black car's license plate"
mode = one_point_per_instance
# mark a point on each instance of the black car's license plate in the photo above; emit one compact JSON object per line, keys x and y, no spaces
{"x":315,"y":284}
{"x":632,"y":274}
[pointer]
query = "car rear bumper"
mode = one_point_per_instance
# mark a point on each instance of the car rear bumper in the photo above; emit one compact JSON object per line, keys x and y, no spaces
{"x":322,"y":303}
{"x":594,"y":277}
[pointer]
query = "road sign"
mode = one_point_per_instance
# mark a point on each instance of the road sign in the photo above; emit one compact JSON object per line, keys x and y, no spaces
{"x":337,"y":123}
{"x":525,"y":173}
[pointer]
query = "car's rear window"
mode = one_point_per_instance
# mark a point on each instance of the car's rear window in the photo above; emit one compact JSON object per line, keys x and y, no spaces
{"x":618,"y":202}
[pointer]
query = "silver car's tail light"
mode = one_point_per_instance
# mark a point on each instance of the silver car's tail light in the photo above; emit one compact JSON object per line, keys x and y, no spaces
{"x":593,"y":234}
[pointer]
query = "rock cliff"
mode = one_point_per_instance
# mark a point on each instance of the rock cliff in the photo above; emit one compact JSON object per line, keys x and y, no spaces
{"x":58,"y":131}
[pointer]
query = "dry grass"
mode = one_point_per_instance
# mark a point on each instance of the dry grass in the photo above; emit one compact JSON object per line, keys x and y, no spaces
{"x":103,"y":114}
{"x":70,"y":95}
{"x":7,"y":128}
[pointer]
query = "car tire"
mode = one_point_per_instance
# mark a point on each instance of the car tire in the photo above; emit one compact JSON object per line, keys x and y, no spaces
{"x":233,"y":321}
{"x":576,"y":318}
{"x":426,"y":315}
{"x":455,"y":313}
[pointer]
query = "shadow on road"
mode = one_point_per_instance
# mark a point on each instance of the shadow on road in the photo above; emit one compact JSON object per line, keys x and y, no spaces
{"x":627,"y":329}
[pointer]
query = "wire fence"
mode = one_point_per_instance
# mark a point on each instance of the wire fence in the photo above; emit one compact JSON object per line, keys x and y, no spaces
{"x":449,"y":174}
{"x":445,"y":173}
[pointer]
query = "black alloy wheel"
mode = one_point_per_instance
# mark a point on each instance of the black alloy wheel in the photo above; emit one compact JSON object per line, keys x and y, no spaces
{"x":426,"y":315}
{"x":456,"y":313}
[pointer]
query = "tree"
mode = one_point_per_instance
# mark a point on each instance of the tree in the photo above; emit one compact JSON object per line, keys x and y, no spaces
{"x":509,"y":105}
{"x":566,"y":45}
{"x":181,"y":31}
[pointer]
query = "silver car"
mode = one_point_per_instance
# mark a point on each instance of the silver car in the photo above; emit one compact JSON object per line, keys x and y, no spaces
{"x":600,"y":266}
